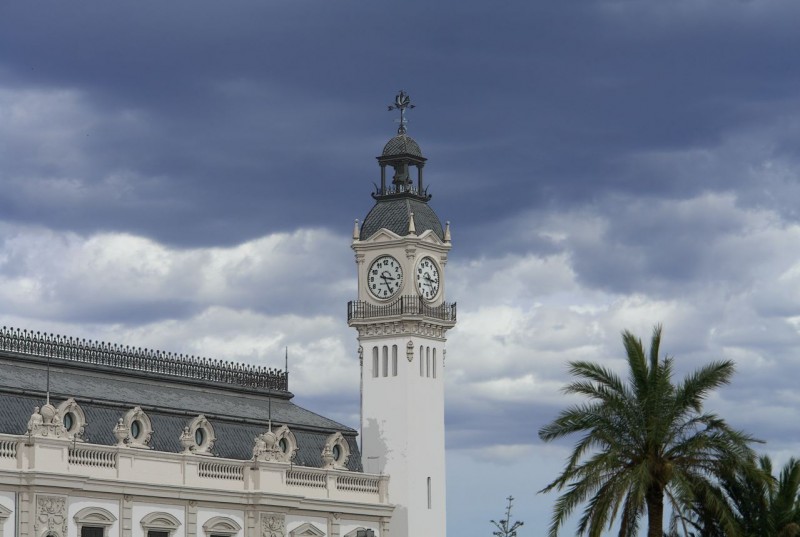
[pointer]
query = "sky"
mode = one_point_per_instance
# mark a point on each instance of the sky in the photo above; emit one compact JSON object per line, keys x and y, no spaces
{"x":184,"y":176}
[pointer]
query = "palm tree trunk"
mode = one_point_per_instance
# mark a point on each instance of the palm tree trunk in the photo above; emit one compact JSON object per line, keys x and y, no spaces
{"x":655,"y":511}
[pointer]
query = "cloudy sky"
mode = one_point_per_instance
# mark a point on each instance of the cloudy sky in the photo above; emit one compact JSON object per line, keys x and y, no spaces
{"x":184,"y":175}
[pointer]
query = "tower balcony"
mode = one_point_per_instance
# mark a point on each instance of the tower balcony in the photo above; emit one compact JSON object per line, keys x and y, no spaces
{"x":405,"y":306}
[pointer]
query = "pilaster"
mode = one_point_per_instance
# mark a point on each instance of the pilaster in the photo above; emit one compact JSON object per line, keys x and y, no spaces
{"x":126,"y":520}
{"x":334,"y":524}
{"x":191,"y":519}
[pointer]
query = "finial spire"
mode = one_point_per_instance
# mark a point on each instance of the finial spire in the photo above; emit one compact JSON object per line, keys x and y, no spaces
{"x":355,"y":230}
{"x":412,"y":228}
{"x":401,"y":102}
{"x":48,"y":380}
{"x":447,"y":232}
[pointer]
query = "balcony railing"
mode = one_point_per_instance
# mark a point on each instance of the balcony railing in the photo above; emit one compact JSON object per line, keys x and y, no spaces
{"x":405,"y":305}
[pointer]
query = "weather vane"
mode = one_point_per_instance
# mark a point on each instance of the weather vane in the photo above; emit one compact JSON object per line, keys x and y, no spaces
{"x":401,"y":102}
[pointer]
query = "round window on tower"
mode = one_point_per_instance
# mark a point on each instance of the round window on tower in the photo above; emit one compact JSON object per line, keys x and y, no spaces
{"x":337,"y":453}
{"x":283,"y":445}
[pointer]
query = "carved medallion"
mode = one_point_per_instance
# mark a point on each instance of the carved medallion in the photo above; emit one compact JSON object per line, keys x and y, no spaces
{"x":273,"y":525}
{"x":51,"y":515}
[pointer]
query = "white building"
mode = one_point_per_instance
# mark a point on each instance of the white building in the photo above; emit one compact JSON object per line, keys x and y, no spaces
{"x":98,"y":440}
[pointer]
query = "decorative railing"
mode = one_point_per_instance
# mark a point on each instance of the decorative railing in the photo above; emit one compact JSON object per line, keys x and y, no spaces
{"x":405,"y":305}
{"x":299,"y":478}
{"x":92,"y":457}
{"x":221,"y":470}
{"x":138,"y":359}
{"x":358,"y":484}
{"x":8,"y":449}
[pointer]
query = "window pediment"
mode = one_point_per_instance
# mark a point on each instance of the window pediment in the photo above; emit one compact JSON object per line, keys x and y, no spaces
{"x":160,"y":522}
{"x":94,"y":516}
{"x":221,"y":525}
{"x":306,"y":530}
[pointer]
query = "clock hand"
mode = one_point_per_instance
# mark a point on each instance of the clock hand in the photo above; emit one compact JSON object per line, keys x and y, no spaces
{"x":386,"y":277}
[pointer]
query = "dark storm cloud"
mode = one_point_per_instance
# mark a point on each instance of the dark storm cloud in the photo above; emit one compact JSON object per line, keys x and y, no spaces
{"x":255,"y":116}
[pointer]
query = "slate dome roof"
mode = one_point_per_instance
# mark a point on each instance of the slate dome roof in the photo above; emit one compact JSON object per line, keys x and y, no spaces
{"x":393,"y":213}
{"x":402,"y":144}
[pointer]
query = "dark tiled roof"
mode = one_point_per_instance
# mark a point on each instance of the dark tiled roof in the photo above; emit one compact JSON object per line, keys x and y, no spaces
{"x":393,"y":213}
{"x":237,"y":418}
{"x":402,"y":144}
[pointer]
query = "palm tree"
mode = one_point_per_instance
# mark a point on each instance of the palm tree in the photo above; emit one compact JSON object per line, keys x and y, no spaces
{"x":763,"y":505}
{"x":643,"y":441}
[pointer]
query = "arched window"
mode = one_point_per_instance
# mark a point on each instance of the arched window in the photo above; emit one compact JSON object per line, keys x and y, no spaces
{"x":434,"y":362}
{"x":427,"y":361}
{"x":385,"y":361}
{"x":394,"y":360}
{"x":374,"y":361}
{"x":421,"y":361}
{"x":429,"y":493}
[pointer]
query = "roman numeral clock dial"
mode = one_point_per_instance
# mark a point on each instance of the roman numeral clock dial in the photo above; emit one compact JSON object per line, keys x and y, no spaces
{"x":385,"y":277}
{"x":427,"y":278}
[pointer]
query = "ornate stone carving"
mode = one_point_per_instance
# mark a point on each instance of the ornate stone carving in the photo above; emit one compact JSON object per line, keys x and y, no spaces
{"x":46,"y":422}
{"x":73,"y":419}
{"x":273,"y":525}
{"x":336,"y":452}
{"x":402,"y":328}
{"x":121,"y":432}
{"x":201,"y":435}
{"x":278,"y":446}
{"x":140,"y":429}
{"x":186,"y":440}
{"x":51,"y":515}
{"x":410,"y":350}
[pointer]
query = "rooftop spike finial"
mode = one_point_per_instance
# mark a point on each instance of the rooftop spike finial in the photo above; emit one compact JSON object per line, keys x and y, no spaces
{"x":447,"y":232}
{"x":412,"y":228}
{"x":355,"y":230}
{"x":401,"y":102}
{"x":48,"y":380}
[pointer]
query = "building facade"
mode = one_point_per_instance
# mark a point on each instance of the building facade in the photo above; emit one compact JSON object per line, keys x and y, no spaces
{"x":98,"y":440}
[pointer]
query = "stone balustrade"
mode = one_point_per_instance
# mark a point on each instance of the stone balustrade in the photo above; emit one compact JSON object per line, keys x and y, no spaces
{"x":132,"y":466}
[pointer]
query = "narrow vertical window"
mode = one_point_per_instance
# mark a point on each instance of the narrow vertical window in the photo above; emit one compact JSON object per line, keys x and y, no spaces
{"x":385,"y":361}
{"x":394,"y":360}
{"x":374,"y":361}
{"x":434,"y":362}
{"x":429,"y":493}
{"x":427,"y":361}
{"x":421,"y":362}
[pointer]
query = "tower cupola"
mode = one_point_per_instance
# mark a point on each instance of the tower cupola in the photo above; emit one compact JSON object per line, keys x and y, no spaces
{"x":403,"y":193}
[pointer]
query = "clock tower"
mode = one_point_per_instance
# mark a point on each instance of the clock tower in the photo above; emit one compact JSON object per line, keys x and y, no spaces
{"x":402,"y":317}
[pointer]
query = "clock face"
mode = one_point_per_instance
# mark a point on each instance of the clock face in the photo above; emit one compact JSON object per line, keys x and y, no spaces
{"x":427,"y":278}
{"x":385,"y":276}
